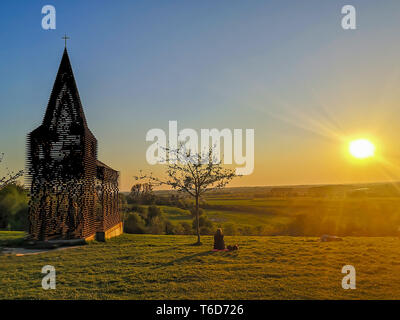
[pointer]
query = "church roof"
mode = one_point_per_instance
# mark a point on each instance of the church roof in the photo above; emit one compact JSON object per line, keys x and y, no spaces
{"x":64,"y":80}
{"x":103,"y":165}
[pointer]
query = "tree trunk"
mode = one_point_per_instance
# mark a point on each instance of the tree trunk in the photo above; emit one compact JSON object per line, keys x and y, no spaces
{"x":197,"y":220}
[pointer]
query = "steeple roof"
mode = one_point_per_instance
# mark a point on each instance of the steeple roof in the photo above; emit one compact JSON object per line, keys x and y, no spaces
{"x":64,"y":91}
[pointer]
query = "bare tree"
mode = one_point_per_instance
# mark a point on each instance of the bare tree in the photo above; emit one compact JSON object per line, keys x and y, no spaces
{"x":193,"y":174}
{"x":141,"y":193}
{"x":10,"y":176}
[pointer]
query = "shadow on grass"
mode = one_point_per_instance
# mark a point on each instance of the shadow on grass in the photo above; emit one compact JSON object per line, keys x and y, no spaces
{"x":186,"y":258}
{"x":17,"y":242}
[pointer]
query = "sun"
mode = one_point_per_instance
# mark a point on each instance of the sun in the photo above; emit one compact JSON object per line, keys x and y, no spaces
{"x":361,"y":148}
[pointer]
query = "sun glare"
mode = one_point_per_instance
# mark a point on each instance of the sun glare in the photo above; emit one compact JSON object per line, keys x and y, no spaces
{"x":361,"y":148}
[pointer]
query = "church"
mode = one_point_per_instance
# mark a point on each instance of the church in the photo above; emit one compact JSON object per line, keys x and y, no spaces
{"x":73,"y":195}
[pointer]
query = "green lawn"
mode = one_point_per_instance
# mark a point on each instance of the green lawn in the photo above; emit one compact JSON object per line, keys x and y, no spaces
{"x":11,"y":238}
{"x":169,"y":267}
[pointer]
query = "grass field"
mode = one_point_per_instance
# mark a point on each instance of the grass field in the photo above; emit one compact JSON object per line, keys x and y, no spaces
{"x":169,"y":267}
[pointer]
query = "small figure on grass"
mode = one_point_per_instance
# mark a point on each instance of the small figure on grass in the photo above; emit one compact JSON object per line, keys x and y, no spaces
{"x":219,"y":243}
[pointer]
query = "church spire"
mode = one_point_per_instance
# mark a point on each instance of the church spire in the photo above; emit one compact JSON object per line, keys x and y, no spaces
{"x":65,"y":94}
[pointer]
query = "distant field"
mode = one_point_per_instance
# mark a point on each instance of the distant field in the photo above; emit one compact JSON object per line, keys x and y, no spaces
{"x":176,"y":215}
{"x":300,"y":216}
{"x":169,"y":267}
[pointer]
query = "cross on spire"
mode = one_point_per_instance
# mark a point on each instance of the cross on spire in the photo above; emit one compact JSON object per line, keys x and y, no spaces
{"x":65,"y":38}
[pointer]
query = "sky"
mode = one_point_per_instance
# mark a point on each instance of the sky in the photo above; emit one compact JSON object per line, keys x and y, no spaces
{"x":286,"y":69}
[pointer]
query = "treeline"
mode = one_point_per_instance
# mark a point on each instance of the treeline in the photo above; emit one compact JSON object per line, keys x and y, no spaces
{"x":141,"y":212}
{"x":14,"y":208}
{"x":152,"y":220}
{"x":142,"y":194}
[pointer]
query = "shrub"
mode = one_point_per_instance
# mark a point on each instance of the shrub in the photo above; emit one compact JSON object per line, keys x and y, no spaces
{"x":123,"y":204}
{"x":204,"y":231}
{"x":170,"y":228}
{"x":156,"y":225}
{"x":19,"y":220}
{"x":206,"y":225}
{"x":178,"y":229}
{"x":134,"y":223}
{"x":187,"y":229}
{"x":153,"y":212}
{"x":140,"y":209}
{"x":13,"y":208}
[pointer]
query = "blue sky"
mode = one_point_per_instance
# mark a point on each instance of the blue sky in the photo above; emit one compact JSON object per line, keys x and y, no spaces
{"x":285,"y":68}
